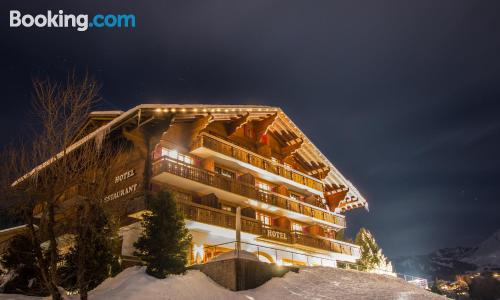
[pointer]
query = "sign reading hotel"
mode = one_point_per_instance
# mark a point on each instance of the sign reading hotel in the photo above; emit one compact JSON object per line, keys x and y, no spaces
{"x":126,"y":190}
{"x":274,"y":234}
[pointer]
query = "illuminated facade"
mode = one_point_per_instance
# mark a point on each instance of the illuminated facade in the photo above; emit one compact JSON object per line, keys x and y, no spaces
{"x":215,"y":159}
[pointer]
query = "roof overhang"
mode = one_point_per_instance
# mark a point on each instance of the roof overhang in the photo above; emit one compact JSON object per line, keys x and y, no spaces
{"x":218,"y":112}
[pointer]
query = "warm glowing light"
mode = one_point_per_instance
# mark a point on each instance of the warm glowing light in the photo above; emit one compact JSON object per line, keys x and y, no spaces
{"x":173,"y":154}
{"x":195,"y":109}
{"x":204,"y":110}
{"x":158,"y":110}
{"x":252,"y":202}
{"x":183,"y":110}
{"x":198,"y":252}
{"x":165,"y":110}
{"x":226,"y":110}
{"x":172,"y":110}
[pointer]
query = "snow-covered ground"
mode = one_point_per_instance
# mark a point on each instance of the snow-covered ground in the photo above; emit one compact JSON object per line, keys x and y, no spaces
{"x":309,"y":283}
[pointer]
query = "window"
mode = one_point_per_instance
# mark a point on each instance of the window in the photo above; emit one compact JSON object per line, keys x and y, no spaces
{"x":224,"y":172}
{"x":296,"y":227}
{"x":226,"y":208}
{"x":174,"y":154}
{"x":263,"y":186}
{"x":265,"y":219}
{"x":295,"y":196}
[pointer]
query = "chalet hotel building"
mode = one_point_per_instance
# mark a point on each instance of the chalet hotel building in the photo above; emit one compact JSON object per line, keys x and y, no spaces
{"x":217,"y":160}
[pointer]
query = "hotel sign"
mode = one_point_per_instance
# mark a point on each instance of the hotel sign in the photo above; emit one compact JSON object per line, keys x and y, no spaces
{"x":276,"y":235}
{"x":126,"y":190}
{"x":126,"y":175}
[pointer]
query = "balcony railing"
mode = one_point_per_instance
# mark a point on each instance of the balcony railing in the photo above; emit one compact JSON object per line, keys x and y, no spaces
{"x":217,"y":217}
{"x":244,"y":155}
{"x":178,"y":168}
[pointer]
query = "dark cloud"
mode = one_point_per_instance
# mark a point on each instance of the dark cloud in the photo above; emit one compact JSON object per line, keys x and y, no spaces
{"x":403,"y":96}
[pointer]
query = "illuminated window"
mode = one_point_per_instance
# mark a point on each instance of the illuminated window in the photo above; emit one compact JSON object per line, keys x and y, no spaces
{"x":265,"y":219}
{"x":174,"y":154}
{"x":296,"y":227}
{"x":224,"y":172}
{"x":263,"y":186}
{"x":226,"y":208}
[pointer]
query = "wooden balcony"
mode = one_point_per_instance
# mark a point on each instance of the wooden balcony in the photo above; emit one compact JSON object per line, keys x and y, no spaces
{"x":190,"y":172}
{"x":218,"y":217}
{"x":228,"y":149}
{"x":324,"y":243}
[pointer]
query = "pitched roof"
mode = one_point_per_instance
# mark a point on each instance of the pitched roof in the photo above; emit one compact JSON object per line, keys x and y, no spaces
{"x":282,"y":123}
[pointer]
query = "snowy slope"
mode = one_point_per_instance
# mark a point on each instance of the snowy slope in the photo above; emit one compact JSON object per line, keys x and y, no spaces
{"x":309,"y":283}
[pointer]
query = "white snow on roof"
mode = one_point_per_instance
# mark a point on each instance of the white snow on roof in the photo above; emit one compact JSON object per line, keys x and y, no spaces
{"x":106,"y":112}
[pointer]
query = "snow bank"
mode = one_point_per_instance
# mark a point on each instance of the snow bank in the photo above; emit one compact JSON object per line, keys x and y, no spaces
{"x":309,"y":283}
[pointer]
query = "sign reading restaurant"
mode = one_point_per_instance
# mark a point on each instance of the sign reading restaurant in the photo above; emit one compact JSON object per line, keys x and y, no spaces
{"x":124,"y":191}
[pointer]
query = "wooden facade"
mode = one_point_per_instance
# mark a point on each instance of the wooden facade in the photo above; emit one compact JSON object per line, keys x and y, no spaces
{"x":217,"y":158}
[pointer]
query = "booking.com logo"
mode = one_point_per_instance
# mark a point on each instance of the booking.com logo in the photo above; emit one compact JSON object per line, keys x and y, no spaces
{"x":80,"y":22}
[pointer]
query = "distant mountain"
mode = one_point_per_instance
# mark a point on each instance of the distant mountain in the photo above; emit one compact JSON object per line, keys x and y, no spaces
{"x":448,"y":262}
{"x":487,"y":254}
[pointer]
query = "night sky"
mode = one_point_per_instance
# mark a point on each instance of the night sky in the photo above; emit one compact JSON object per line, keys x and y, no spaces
{"x":402,"y":96}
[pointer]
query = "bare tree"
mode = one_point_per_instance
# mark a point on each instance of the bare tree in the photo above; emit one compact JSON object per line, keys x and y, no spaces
{"x":94,"y":225}
{"x":50,"y":165}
